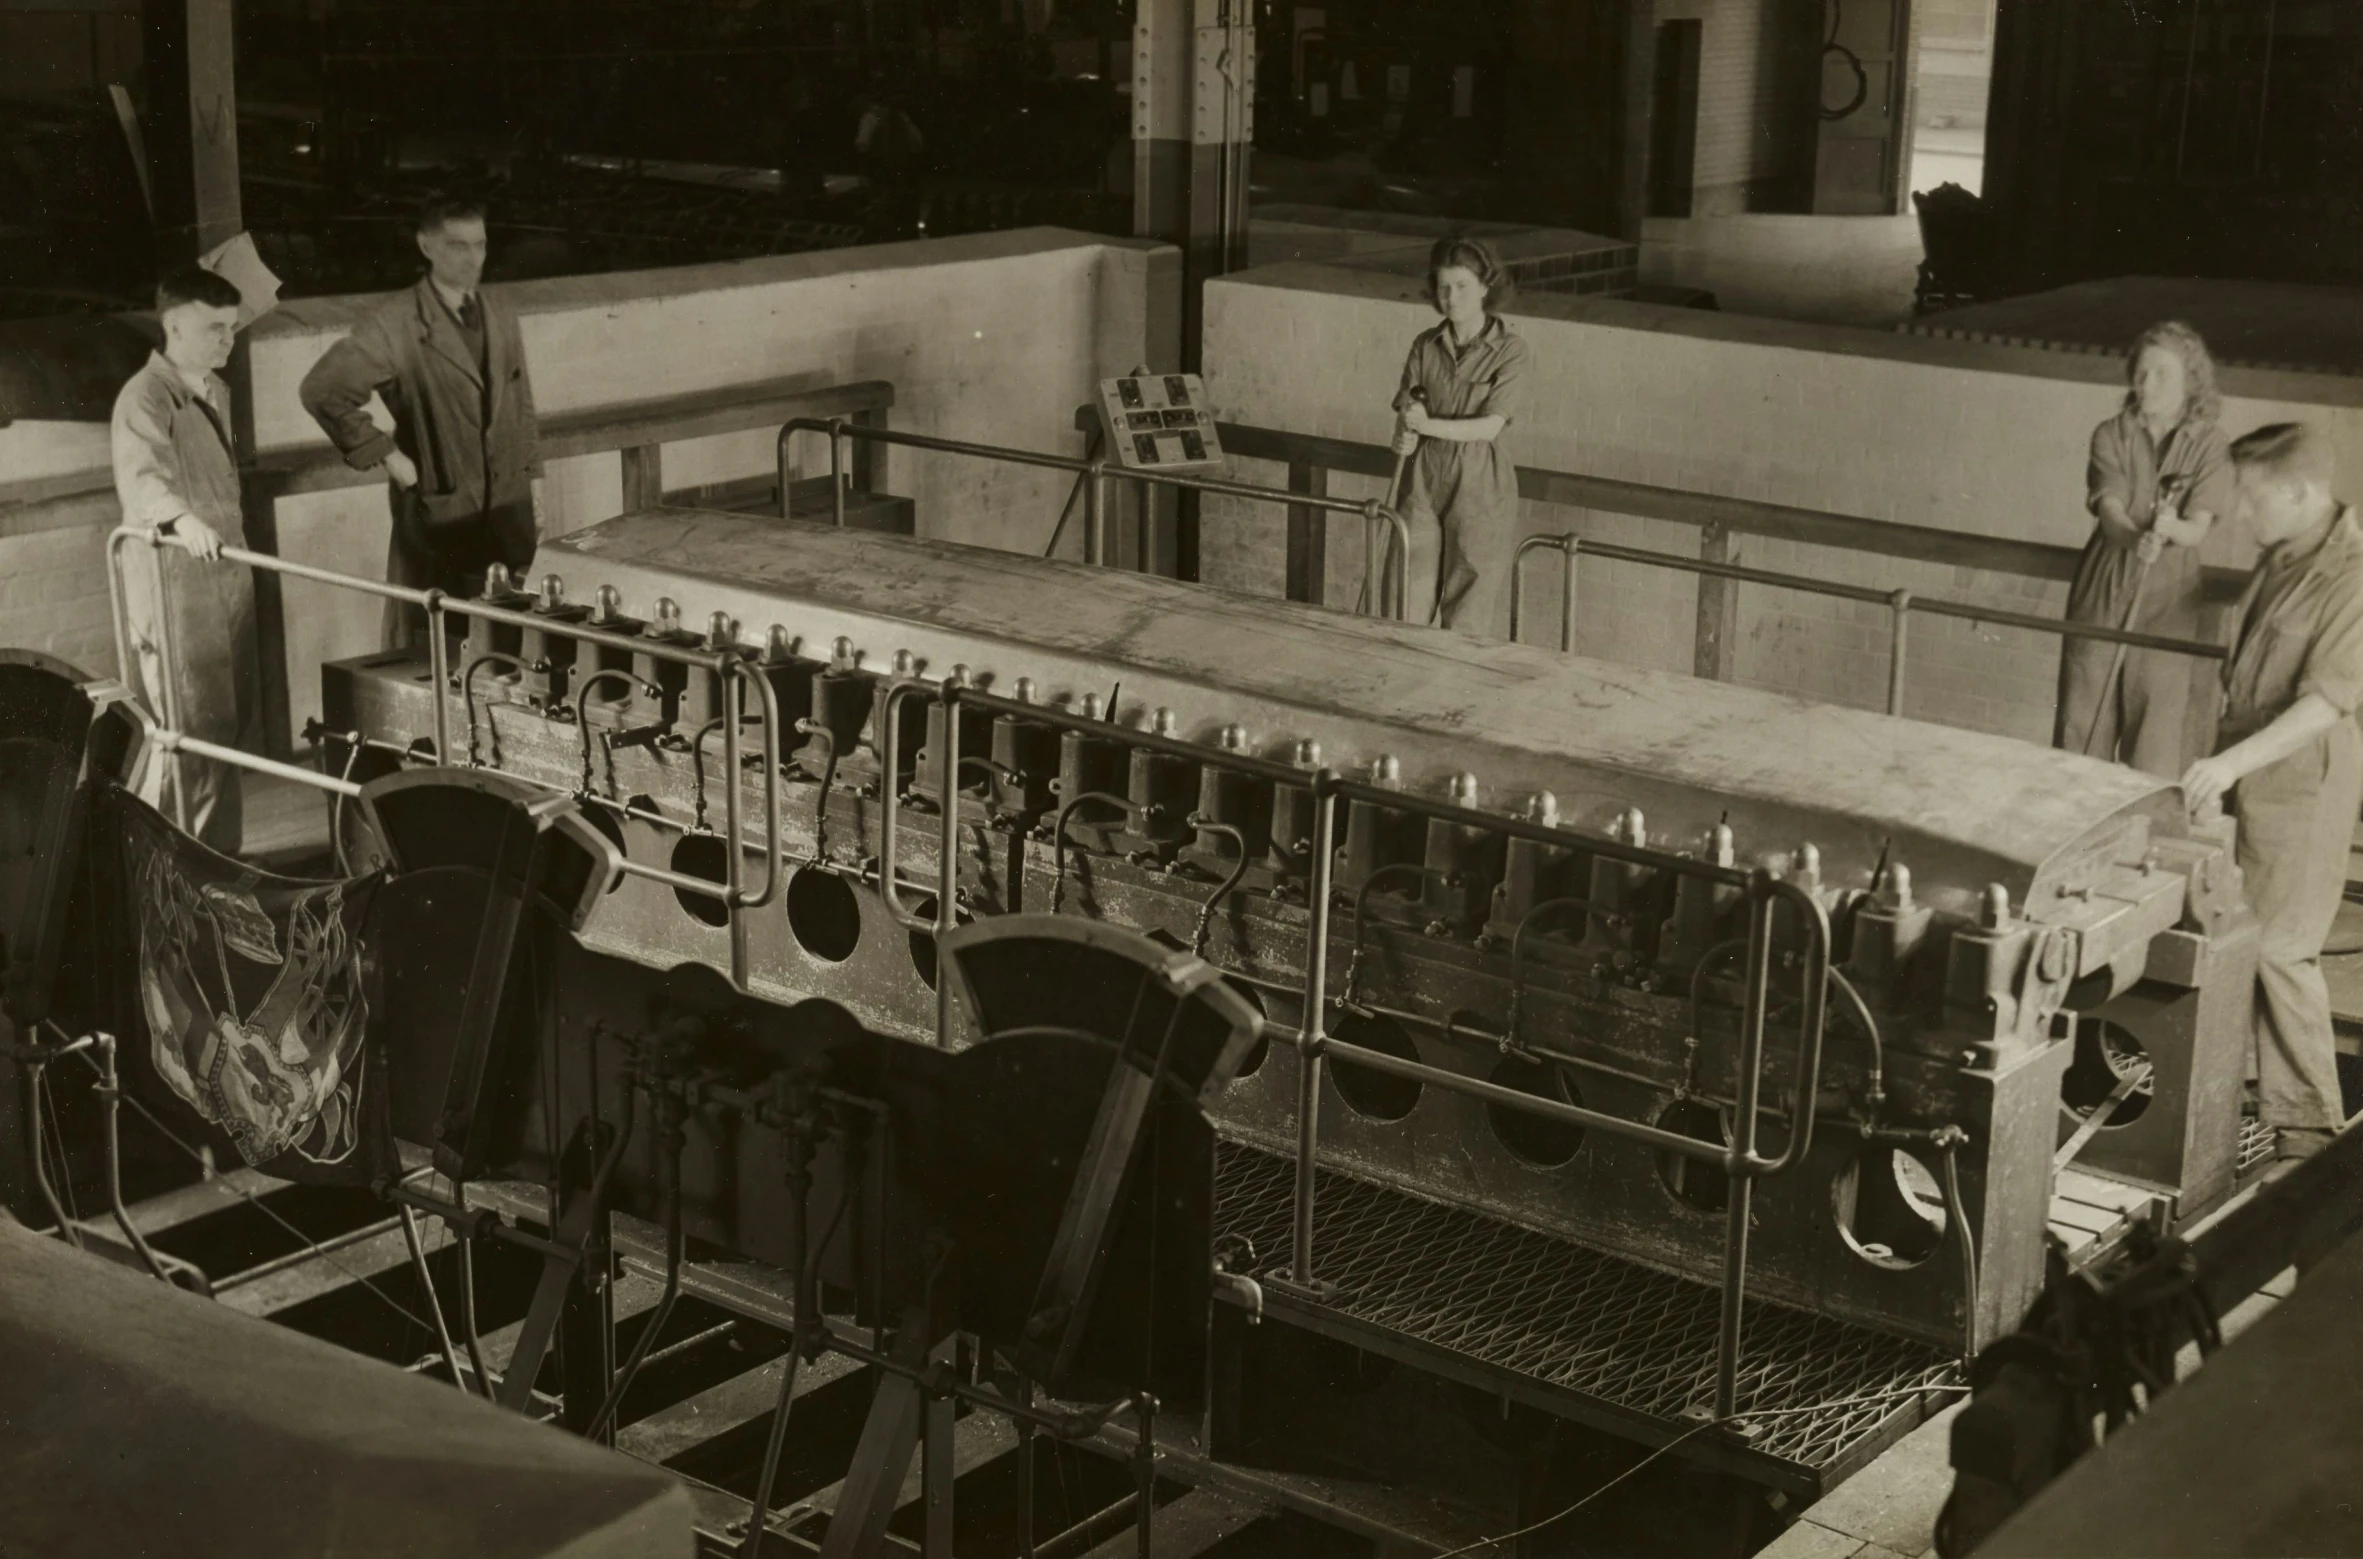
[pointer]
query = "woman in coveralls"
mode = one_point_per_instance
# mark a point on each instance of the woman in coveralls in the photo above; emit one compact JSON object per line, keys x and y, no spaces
{"x":2160,"y":476}
{"x":1470,"y":377}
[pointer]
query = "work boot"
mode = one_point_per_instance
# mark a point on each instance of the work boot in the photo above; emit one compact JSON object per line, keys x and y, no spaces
{"x":2301,"y":1142}
{"x":2292,"y":1146}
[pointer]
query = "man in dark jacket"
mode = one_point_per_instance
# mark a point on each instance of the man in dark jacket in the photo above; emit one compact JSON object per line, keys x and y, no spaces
{"x":449,"y":363}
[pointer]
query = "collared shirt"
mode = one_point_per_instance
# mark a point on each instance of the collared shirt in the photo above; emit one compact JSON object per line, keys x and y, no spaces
{"x":2300,"y":631}
{"x":2127,"y":464}
{"x":467,"y":317}
{"x":172,"y":450}
{"x":459,"y":304}
{"x":1486,"y":378}
{"x":1474,"y":483}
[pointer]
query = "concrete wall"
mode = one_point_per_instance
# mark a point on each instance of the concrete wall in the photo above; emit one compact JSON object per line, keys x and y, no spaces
{"x":995,"y":338}
{"x":1972,"y":438}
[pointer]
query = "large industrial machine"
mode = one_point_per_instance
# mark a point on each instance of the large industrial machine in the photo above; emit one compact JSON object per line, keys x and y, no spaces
{"x":1590,"y":1056}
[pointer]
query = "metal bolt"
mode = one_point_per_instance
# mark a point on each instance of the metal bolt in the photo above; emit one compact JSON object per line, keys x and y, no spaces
{"x":903,"y":663}
{"x":1386,"y":769}
{"x":1234,"y":738}
{"x":778,"y":643}
{"x":1024,"y":691}
{"x":1161,"y":723}
{"x":1091,"y":706}
{"x":1995,"y":913}
{"x":1721,"y":846}
{"x":1308,"y":755}
{"x":841,"y":654}
{"x":1899,"y":887}
{"x":720,"y":631}
{"x":553,"y":592}
{"x":496,"y":581}
{"x":959,"y":676}
{"x":668,"y":615}
{"x":1809,"y":860}
{"x":608,"y":603}
{"x":1543,"y":808}
{"x":1464,"y":790}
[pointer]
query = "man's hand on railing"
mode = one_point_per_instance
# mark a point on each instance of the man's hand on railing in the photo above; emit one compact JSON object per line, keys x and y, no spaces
{"x":201,"y":540}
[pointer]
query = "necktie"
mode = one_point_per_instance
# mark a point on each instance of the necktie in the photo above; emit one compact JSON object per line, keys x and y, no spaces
{"x":469,"y":316}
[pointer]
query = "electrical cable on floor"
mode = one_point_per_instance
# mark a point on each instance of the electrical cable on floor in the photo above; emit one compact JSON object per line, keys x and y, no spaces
{"x":1485,"y":1543}
{"x":267,"y":1211}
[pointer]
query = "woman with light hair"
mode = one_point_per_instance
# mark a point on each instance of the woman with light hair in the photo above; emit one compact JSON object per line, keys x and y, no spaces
{"x":2159,"y":479}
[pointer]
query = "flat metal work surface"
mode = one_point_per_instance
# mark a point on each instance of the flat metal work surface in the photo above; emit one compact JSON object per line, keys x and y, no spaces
{"x":1601,"y":737}
{"x":1627,"y":1338}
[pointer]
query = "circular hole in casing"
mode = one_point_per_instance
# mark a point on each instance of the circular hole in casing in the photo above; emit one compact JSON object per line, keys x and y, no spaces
{"x":2105,"y":1056}
{"x":1372,"y":1094}
{"x":1261,"y":1051}
{"x":1532,"y":1140}
{"x":1695,"y":1183}
{"x":825,"y":916}
{"x":701,"y":855}
{"x":922,"y":943}
{"x":603,"y":817}
{"x":1889,"y":1206}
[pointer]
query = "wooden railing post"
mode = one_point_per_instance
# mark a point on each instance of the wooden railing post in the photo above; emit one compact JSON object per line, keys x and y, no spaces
{"x":1308,"y":535}
{"x":1714,"y":649}
{"x":644,"y":476}
{"x":869,"y":457}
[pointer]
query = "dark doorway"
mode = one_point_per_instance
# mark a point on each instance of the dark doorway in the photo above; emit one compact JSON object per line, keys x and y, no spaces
{"x":1673,"y":118}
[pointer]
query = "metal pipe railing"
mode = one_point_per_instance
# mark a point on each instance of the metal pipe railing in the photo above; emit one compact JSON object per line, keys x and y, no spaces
{"x":728,"y":666}
{"x":1096,"y":473}
{"x":1767,"y":897}
{"x":1900,"y":604}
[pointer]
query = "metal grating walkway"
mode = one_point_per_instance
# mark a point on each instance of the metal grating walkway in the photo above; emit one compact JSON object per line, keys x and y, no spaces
{"x":1576,"y":1319}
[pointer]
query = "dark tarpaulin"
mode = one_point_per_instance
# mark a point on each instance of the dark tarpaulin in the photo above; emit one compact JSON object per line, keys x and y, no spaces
{"x":243,"y":1004}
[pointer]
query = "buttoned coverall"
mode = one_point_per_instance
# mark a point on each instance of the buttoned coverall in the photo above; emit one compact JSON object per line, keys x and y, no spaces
{"x":172,"y":450}
{"x":462,"y":404}
{"x":2300,"y":631}
{"x":2142,"y":719}
{"x":1462,"y":508}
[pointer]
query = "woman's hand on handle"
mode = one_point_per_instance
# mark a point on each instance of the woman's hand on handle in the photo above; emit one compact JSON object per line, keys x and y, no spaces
{"x":1406,"y":440}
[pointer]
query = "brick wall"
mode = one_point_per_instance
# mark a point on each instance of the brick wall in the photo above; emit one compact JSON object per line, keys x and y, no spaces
{"x":995,"y":338}
{"x":1958,"y":436}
